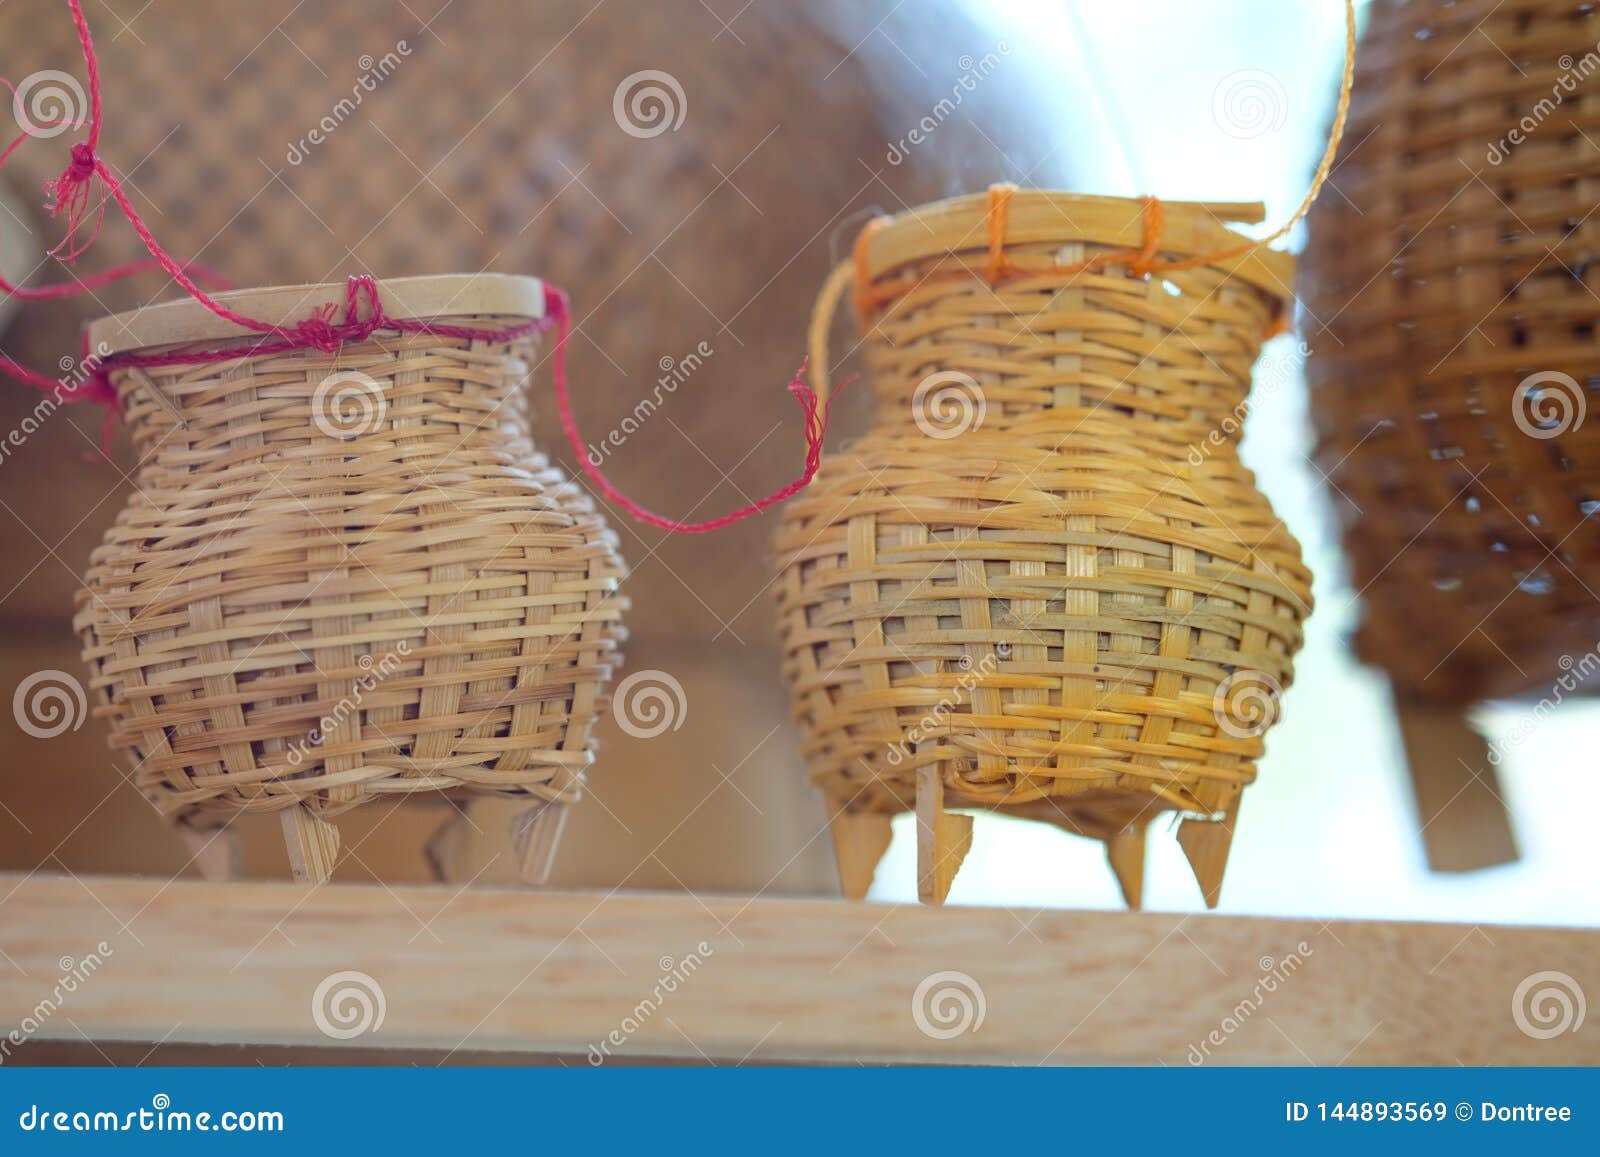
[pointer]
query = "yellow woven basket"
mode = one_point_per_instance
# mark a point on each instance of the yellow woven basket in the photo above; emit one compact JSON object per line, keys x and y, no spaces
{"x":348,"y":576}
{"x":1043,"y":584}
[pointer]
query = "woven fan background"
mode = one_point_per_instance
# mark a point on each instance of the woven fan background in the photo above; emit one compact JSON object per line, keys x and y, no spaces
{"x":493,"y":145}
{"x":1439,"y":277}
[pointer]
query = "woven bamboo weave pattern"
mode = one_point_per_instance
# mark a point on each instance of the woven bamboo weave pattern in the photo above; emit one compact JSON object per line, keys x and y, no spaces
{"x":319,"y":602}
{"x":1037,"y":582}
{"x":1456,"y":261}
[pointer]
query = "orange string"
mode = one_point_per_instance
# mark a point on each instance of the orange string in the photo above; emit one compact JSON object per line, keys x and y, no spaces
{"x":1155,"y":216}
{"x":998,"y":267}
{"x":995,"y":217}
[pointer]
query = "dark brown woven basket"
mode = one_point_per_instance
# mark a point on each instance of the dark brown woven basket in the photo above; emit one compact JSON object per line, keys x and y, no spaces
{"x":1450,"y":292}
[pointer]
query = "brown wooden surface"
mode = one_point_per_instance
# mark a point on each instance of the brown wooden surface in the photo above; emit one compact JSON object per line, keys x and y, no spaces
{"x":554,"y":973}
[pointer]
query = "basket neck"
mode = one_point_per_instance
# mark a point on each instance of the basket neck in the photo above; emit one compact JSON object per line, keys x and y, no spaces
{"x":429,"y":394}
{"x":1174,"y":350}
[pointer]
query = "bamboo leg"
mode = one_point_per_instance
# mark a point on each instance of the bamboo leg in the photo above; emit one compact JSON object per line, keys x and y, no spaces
{"x":1205,"y":844}
{"x":313,"y":845}
{"x":214,"y":852}
{"x":535,"y":834}
{"x":943,"y":839}
{"x":1125,"y":853}
{"x":859,"y":841}
{"x":1461,"y":814}
{"x":449,"y":847}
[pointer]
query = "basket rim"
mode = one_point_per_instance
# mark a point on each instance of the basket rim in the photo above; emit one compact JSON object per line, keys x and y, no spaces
{"x":959,"y":225}
{"x":435,"y":296}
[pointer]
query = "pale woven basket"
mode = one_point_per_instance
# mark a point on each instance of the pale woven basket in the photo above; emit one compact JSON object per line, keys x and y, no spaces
{"x":1043,"y":584}
{"x":1452,"y":310}
{"x":348,"y":576}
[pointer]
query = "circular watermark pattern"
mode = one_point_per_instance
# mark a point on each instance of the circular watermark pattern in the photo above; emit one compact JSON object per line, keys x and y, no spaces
{"x":1246,"y":703}
{"x":1547,"y":1004}
{"x":48,"y":703}
{"x":348,"y":404}
{"x":649,"y":103}
{"x":1548,"y":404}
{"x":650,"y":703}
{"x":947,"y":1004}
{"x":49,"y":103}
{"x":1249,"y":103}
{"x":348,"y":1004}
{"x":948,"y":404}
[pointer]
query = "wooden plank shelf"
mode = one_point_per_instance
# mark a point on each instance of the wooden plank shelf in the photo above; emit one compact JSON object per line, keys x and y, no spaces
{"x":727,"y":978}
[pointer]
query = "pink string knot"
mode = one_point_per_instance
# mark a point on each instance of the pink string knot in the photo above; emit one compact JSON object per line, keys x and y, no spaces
{"x":70,"y":194}
{"x":83,"y":163}
{"x":319,"y":332}
{"x":72,"y":185}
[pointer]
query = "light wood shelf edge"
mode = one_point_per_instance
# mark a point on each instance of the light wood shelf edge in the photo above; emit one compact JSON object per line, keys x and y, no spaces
{"x":784,"y":980}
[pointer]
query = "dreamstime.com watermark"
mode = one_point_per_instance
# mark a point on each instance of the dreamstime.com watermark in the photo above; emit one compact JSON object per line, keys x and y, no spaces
{"x":973,"y":73}
{"x":1274,"y":974}
{"x":1573,"y":74}
{"x":674,"y":974}
{"x":348,"y":1004}
{"x":948,"y":1004}
{"x":650,"y":703}
{"x":1279,"y":366}
{"x":1249,"y":103}
{"x":1575,"y":672}
{"x":74,"y":373}
{"x":373,"y":74}
{"x":934,"y":721}
{"x":348,"y":404}
{"x":1245,"y":704}
{"x":74,"y":974}
{"x":674,"y":372}
{"x":372,"y":674}
{"x":1547,"y":1004}
{"x":160,"y":1117}
{"x":948,"y":404}
{"x":648,"y":103}
{"x":49,"y":103}
{"x":1547,"y":404}
{"x":49,"y":703}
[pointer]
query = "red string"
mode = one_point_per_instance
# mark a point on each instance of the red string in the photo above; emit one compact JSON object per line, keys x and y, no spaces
{"x":73,"y":193}
{"x":556,"y":309}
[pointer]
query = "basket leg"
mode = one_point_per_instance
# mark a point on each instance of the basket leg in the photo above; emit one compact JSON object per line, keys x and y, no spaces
{"x":1125,"y":854}
{"x":214,"y":852}
{"x":1461,"y":814}
{"x":448,"y":848}
{"x":535,"y":834}
{"x":313,"y":845}
{"x":859,"y":841}
{"x":943,"y":839}
{"x":1205,"y":845}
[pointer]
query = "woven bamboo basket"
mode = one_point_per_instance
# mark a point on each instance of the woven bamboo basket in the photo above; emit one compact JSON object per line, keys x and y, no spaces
{"x":1451,"y":306}
{"x":348,"y":576}
{"x":1043,"y":584}
{"x":1456,"y":266}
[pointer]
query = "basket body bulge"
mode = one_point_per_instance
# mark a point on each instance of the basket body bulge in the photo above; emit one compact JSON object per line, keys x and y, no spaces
{"x":343,"y":576}
{"x":1031,"y":578}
